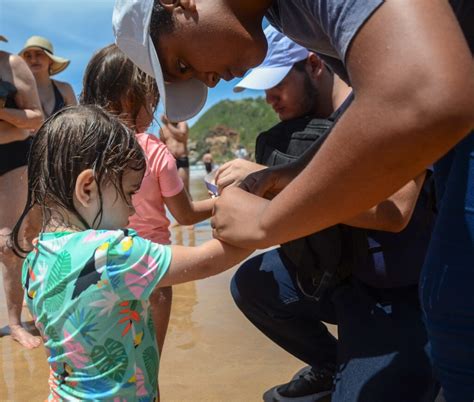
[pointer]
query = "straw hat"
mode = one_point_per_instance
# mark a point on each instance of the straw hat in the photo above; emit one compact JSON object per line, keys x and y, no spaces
{"x":38,"y":42}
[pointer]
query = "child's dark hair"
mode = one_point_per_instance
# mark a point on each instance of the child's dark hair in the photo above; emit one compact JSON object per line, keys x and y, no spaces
{"x":73,"y":140}
{"x":111,"y":79}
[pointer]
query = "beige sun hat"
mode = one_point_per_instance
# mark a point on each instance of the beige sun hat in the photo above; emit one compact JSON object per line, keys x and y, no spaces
{"x":38,"y":42}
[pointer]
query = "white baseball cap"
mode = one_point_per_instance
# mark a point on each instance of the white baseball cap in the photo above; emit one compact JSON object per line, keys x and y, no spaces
{"x":131,"y":24}
{"x":282,"y":54}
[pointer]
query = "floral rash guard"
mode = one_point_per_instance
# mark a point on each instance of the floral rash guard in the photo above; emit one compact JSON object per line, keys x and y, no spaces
{"x":88,"y":293}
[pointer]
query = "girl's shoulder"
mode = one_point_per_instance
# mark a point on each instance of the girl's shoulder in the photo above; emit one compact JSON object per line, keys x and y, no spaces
{"x":150,"y":140}
{"x":56,"y":241}
{"x":157,"y":153}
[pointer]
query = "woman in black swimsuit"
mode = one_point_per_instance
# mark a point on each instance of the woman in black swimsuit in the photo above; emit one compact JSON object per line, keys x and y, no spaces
{"x":20,"y":114}
{"x":54,"y":95}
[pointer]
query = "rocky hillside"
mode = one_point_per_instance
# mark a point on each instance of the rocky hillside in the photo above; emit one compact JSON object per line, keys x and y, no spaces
{"x":229,"y":124}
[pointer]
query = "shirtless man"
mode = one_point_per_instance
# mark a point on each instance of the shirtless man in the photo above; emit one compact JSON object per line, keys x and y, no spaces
{"x":19,"y":116}
{"x":207,"y":160}
{"x":175,"y":136}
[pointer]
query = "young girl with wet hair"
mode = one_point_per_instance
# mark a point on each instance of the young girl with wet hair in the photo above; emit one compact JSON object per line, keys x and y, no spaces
{"x":87,"y":280}
{"x":112,"y":81}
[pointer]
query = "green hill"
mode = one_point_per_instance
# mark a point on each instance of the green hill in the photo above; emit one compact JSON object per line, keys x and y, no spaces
{"x":246,"y":117}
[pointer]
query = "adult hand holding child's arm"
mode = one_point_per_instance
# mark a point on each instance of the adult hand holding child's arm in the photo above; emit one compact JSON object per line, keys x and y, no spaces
{"x":236,"y":219}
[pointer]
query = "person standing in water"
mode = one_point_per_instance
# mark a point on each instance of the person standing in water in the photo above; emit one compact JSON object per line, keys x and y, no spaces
{"x":207,"y":160}
{"x":20,"y":114}
{"x":175,"y":136}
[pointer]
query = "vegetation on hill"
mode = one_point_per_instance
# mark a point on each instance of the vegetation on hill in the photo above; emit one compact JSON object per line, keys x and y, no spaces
{"x":228,"y":124}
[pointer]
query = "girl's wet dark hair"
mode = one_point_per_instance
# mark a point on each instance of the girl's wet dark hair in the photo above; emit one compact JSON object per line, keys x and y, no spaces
{"x":73,"y":140}
{"x":111,"y":79}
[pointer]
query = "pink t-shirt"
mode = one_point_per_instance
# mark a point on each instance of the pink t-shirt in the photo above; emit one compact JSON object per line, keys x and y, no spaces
{"x":161,"y":180}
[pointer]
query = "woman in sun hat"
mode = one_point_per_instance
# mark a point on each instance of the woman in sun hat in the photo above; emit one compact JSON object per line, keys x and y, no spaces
{"x":39,"y":55}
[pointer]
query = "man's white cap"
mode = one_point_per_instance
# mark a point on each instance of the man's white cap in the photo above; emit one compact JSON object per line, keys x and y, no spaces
{"x":131,"y":24}
{"x":282,"y":54}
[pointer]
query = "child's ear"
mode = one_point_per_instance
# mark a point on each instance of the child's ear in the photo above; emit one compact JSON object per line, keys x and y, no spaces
{"x":86,"y":190}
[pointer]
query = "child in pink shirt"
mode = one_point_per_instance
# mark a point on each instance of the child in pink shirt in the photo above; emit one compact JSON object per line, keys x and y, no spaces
{"x":161,"y":182}
{"x":115,"y":83}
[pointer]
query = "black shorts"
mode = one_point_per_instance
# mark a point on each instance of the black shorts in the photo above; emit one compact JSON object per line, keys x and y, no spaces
{"x":14,"y":154}
{"x":182,"y":162}
{"x":208,"y":166}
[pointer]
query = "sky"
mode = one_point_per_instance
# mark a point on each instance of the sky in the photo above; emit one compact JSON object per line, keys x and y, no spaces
{"x":77,"y":28}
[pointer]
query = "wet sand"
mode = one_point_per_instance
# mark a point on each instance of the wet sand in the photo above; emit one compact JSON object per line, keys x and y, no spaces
{"x":212,"y":353}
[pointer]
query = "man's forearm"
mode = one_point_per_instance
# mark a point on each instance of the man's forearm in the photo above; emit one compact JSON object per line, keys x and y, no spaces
{"x":412,"y":105}
{"x":394,"y":213}
{"x":360,"y":164}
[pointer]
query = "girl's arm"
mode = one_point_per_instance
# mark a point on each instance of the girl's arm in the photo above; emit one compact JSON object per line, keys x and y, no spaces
{"x":393,"y":214}
{"x":192,"y":263}
{"x":186,"y":211}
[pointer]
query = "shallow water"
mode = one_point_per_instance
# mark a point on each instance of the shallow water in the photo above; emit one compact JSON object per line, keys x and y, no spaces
{"x":211,"y":353}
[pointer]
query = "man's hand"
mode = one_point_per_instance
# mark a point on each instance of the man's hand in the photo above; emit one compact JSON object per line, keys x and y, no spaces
{"x":236,"y":219}
{"x":269,"y":182}
{"x":234,"y":172}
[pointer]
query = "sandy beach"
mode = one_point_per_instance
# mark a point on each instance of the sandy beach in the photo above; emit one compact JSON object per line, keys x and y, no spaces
{"x":212,"y":353}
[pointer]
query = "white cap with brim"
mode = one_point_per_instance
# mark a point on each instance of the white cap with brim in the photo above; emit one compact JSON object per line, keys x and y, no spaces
{"x":131,"y":23}
{"x":282,"y":54}
{"x":262,"y":78}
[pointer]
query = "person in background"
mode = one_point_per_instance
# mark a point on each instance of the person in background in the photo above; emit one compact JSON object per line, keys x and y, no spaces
{"x":39,"y":55}
{"x":382,"y":349}
{"x":175,"y":136}
{"x":208,"y":161}
{"x":241,"y":152}
{"x":20,"y":115}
